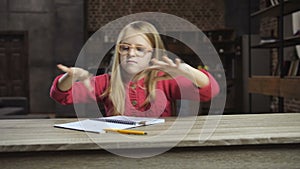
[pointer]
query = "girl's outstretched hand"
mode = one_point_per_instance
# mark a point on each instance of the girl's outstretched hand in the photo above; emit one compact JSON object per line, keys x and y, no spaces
{"x":77,"y":74}
{"x":179,"y":69}
{"x":168,"y":66}
{"x":65,"y":69}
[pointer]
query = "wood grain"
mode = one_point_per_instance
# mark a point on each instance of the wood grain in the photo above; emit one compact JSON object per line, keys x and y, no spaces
{"x":267,"y":85}
{"x":234,"y":141}
{"x":40,"y":135}
{"x":289,"y":87}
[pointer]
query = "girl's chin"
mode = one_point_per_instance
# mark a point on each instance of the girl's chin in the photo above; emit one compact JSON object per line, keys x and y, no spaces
{"x":132,"y":72}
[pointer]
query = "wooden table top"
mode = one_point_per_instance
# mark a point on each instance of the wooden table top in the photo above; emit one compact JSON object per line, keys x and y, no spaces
{"x":248,"y":129}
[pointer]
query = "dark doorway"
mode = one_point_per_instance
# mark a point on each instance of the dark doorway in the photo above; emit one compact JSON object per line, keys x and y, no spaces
{"x":14,"y":64}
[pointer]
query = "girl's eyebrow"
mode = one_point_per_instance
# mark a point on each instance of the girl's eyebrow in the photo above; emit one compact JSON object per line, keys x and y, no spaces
{"x":132,"y":44}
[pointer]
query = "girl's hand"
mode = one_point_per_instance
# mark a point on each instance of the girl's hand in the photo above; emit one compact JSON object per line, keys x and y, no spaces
{"x":168,"y":66}
{"x":176,"y":69}
{"x":77,"y":74}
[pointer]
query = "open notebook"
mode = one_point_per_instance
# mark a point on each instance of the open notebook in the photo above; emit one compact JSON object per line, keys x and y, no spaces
{"x":114,"y":122}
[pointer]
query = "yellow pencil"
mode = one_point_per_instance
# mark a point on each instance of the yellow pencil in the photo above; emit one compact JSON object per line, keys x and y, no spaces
{"x":126,"y":131}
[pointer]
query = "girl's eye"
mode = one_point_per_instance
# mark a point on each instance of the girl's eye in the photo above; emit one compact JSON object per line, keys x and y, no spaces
{"x":124,"y":48}
{"x":140,"y":49}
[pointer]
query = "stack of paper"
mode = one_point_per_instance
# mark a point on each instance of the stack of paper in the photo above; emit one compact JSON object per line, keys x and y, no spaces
{"x":114,"y":122}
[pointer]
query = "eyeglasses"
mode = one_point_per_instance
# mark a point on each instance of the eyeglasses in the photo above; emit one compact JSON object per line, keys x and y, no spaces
{"x":139,"y":50}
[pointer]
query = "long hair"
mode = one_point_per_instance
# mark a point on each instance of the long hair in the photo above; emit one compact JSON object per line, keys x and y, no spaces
{"x":116,"y":90}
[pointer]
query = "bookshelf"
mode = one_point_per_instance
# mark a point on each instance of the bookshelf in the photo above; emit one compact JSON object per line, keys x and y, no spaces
{"x":281,"y":86}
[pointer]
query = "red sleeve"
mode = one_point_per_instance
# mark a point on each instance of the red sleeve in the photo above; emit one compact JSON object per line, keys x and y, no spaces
{"x":182,"y":88}
{"x":211,"y":90}
{"x":79,"y":93}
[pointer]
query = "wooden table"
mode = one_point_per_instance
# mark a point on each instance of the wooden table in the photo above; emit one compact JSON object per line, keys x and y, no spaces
{"x":238,"y":141}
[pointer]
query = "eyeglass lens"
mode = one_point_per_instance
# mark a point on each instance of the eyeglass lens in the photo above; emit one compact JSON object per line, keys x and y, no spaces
{"x":139,"y":50}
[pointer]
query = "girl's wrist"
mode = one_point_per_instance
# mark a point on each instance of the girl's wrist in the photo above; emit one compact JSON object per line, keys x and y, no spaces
{"x":185,"y":69}
{"x":65,"y":82}
{"x":195,"y":75}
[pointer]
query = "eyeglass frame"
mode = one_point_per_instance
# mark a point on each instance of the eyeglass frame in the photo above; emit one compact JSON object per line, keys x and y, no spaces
{"x":133,"y":46}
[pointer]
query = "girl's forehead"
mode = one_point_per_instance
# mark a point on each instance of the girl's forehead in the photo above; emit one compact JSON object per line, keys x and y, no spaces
{"x":131,"y":33}
{"x":135,"y":37}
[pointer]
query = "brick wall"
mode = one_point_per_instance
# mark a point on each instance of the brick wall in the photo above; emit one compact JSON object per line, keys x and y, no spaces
{"x":205,"y":14}
{"x":269,"y":28}
{"x":268,"y":25}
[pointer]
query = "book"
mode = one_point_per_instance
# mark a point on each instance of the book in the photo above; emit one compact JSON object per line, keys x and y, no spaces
{"x":295,"y":67}
{"x":268,"y":3}
{"x":98,"y":125}
{"x":291,"y":68}
{"x":270,"y":40}
{"x":298,"y":70}
{"x":272,"y":2}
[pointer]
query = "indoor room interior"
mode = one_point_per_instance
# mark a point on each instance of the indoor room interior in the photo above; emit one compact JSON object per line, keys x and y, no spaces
{"x":38,"y":35}
{"x":256,"y":41}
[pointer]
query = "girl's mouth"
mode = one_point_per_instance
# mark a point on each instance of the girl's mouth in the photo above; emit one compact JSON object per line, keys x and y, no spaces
{"x":131,"y":61}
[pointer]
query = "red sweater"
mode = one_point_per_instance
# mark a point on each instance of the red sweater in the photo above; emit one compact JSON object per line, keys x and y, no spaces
{"x":166,"y":92}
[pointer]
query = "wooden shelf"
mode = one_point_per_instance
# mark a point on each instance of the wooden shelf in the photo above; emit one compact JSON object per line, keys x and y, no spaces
{"x":267,"y":85}
{"x":287,"y":87}
{"x":289,"y":41}
{"x":290,"y":6}
{"x":271,"y":85}
{"x":226,"y":42}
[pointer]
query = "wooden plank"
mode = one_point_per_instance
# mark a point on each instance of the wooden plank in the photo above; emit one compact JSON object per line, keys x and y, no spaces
{"x":256,"y":157}
{"x":267,"y":85}
{"x":289,"y":87}
{"x":38,"y":135}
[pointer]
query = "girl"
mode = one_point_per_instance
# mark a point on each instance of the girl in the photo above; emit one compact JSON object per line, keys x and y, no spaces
{"x":135,"y":88}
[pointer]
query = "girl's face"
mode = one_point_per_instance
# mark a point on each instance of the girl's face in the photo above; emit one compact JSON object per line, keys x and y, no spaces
{"x":135,"y":52}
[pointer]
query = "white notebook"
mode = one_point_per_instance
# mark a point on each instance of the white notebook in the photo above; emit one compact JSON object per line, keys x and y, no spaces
{"x":114,"y":122}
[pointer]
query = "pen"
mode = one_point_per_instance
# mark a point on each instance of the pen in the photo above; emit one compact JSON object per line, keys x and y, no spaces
{"x":126,"y":131}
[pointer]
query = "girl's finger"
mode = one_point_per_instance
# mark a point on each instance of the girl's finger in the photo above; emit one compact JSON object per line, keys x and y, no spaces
{"x":64,"y":68}
{"x":168,"y":60}
{"x":157,"y":62}
{"x":154,"y":60}
{"x":154,"y":67}
{"x":177,"y":61}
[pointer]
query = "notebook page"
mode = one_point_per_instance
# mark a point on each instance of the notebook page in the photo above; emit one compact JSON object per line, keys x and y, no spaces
{"x":137,"y":121}
{"x":93,"y":125}
{"x":145,"y":120}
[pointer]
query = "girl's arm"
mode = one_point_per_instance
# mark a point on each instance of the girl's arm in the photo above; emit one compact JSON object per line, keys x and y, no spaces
{"x":197,"y":77}
{"x":207,"y":87}
{"x":71,"y":75}
{"x":81,"y":92}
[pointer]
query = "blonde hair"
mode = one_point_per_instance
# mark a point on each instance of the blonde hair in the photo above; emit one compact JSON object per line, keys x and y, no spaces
{"x":116,"y":90}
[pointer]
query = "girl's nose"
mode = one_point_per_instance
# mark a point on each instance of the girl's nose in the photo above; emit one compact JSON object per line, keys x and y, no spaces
{"x":131,"y":52}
